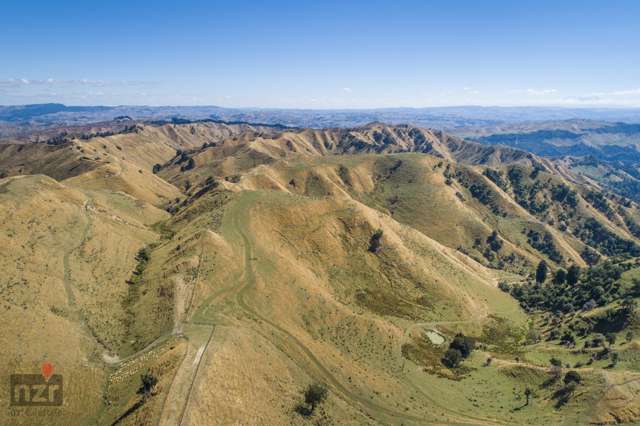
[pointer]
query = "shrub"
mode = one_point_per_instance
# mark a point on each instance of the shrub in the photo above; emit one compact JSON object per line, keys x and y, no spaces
{"x":375,"y":241}
{"x":148,"y":383}
{"x":464,"y":344}
{"x":504,"y":286}
{"x":555,"y":362}
{"x":190,"y":165}
{"x":314,"y":395}
{"x":611,"y":338}
{"x":572,"y":377}
{"x":452,"y":358}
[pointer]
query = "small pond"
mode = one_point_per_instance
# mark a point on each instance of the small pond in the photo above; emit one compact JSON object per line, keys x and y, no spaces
{"x":435,"y":337}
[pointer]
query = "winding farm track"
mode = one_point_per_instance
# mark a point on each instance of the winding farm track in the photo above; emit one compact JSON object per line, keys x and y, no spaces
{"x":370,"y":408}
{"x":176,"y":403}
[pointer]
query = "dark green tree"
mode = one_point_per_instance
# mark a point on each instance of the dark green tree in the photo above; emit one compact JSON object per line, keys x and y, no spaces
{"x":555,"y":362}
{"x":541,"y":272}
{"x":560,"y":276}
{"x":527,"y":394}
{"x":452,"y":358}
{"x":572,"y":376}
{"x":148,"y":383}
{"x":314,"y":395}
{"x":573,"y":275}
{"x":375,"y":241}
{"x":464,"y":344}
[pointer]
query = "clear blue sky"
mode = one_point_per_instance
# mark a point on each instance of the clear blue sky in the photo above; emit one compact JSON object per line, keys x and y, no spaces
{"x":321,"y":54}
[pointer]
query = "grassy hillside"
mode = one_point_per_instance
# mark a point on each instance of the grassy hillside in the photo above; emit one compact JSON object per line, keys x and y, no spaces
{"x":207,"y":268}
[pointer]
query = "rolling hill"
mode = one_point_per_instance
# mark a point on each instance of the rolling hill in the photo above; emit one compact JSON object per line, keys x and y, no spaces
{"x":233,"y":265}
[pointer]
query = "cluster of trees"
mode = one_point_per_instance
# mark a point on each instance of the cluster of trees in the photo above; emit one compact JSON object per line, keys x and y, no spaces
{"x":599,"y":202}
{"x":494,"y":241}
{"x":590,"y":256}
{"x":133,"y":128}
{"x":142,"y":257}
{"x":480,"y":191}
{"x":544,"y":244}
{"x":572,"y":290}
{"x":528,"y":196}
{"x":627,"y":186}
{"x":564,"y":195}
{"x":490,"y":248}
{"x":460,"y":348}
{"x":496,"y":177}
{"x":632,"y":225}
{"x":592,"y":233}
{"x":183,"y":158}
{"x":571,"y":381}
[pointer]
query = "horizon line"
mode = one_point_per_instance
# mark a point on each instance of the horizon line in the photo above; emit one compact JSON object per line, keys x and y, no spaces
{"x":549,"y":106}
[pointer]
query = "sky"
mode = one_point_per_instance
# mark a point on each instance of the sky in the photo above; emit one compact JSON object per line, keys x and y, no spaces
{"x":321,"y":54}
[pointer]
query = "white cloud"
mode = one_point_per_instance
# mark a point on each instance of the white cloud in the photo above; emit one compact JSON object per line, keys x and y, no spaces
{"x":629,"y":92}
{"x":625,"y":97}
{"x":347,"y":89}
{"x":541,"y":92}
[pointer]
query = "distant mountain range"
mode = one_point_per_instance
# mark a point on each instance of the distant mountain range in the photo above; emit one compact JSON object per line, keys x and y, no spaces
{"x":42,"y":115}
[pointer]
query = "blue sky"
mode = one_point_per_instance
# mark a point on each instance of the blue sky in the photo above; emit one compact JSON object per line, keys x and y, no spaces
{"x":320,"y":54}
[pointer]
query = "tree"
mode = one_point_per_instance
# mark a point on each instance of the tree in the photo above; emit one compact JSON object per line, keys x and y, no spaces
{"x":494,"y":241}
{"x":573,"y":275}
{"x":541,"y":272}
{"x":611,"y":338}
{"x":572,"y":376}
{"x":560,"y":277}
{"x":374,"y":242}
{"x":527,"y":394}
{"x":464,"y":344}
{"x":314,"y":395}
{"x":190,"y":165}
{"x":148,"y":383}
{"x":452,"y":358}
{"x":555,"y":362}
{"x":568,"y":338}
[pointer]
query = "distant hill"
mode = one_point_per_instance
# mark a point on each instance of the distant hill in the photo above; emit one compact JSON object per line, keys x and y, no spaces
{"x":26,"y":113}
{"x":40,"y":116}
